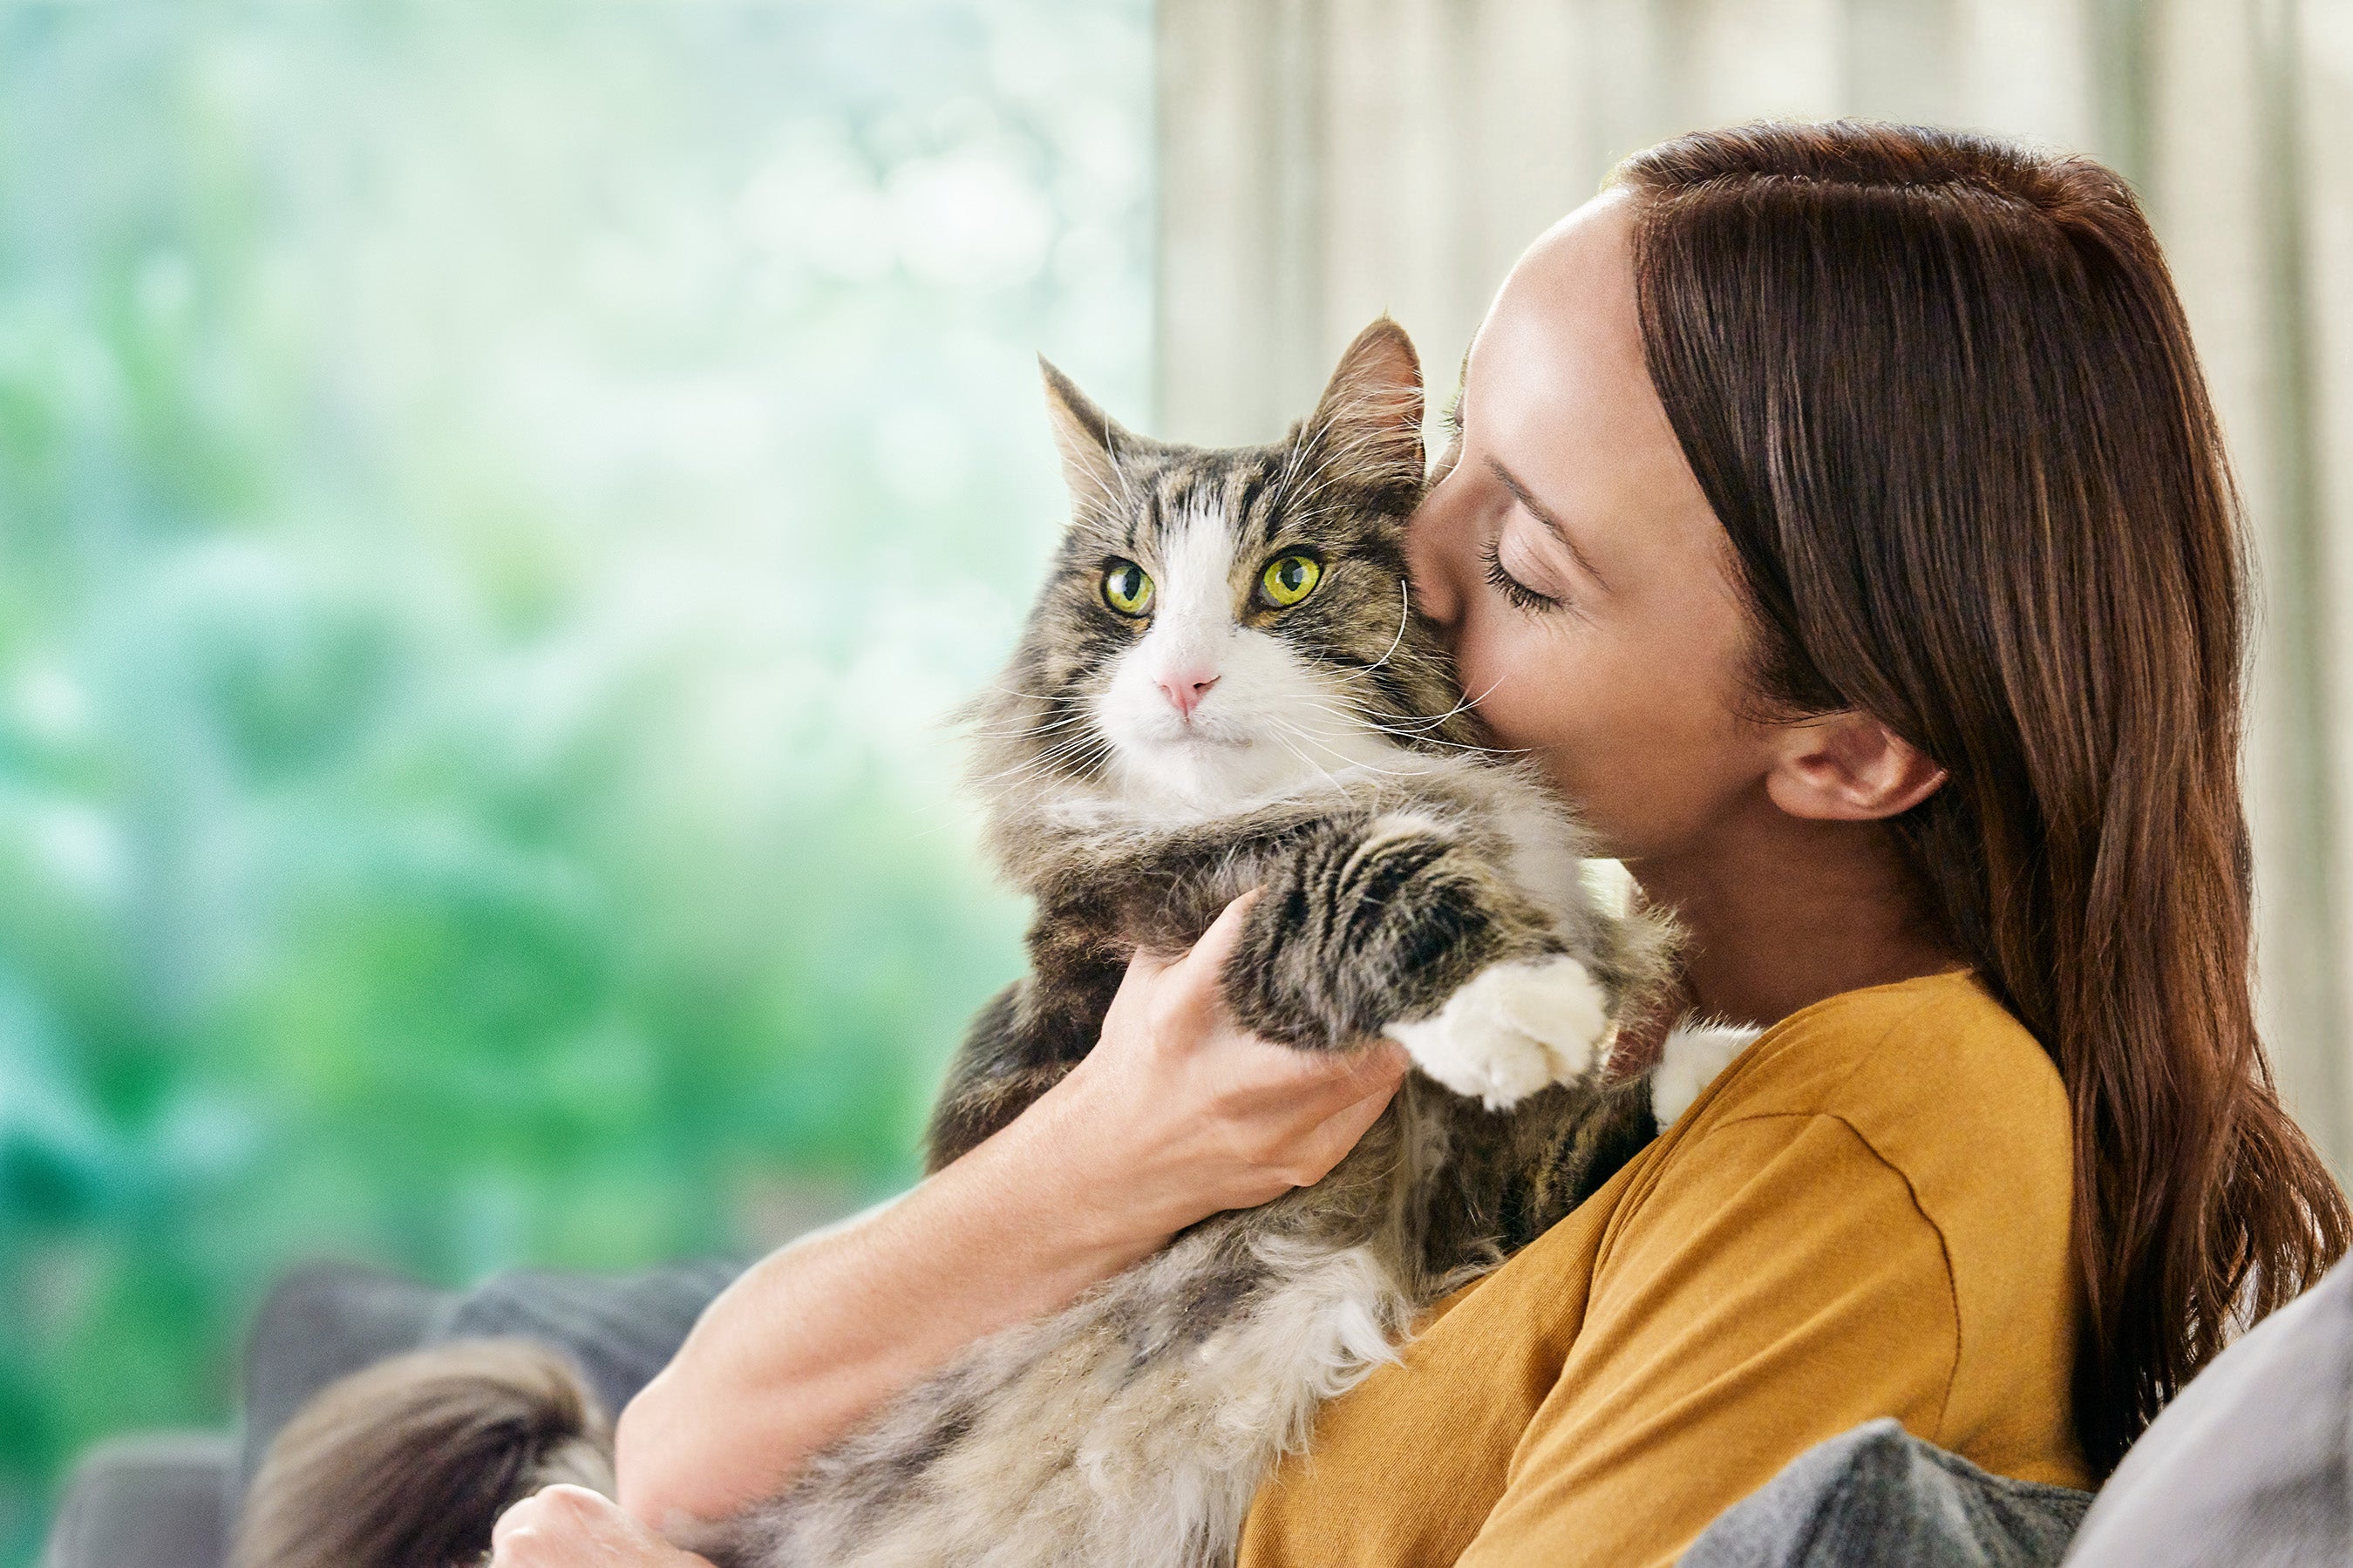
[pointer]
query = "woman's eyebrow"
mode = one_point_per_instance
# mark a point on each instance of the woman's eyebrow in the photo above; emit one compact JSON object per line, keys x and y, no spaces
{"x":1542,"y":514}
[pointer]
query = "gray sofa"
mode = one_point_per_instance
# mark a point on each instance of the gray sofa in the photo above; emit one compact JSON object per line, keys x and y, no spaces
{"x":2251,"y":1464}
{"x":165,"y":1500}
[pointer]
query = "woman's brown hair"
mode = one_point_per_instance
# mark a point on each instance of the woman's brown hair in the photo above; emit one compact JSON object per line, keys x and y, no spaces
{"x":1941,"y":394}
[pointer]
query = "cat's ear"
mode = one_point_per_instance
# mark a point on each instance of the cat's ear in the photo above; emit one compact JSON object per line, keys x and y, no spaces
{"x":1367,"y":427}
{"x":1089,"y":440}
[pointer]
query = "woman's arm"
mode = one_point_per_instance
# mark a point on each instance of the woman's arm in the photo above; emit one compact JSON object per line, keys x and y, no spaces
{"x":1175,"y":1115}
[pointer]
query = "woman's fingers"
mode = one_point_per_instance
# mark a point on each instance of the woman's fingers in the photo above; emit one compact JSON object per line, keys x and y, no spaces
{"x":1302,"y":1087}
{"x":1379,"y":1069}
{"x":1225,"y":933}
{"x":1319,"y":1083}
{"x":1189,"y":993}
{"x":572,"y":1527}
{"x":1370,"y":1083}
{"x":1179,"y":1111}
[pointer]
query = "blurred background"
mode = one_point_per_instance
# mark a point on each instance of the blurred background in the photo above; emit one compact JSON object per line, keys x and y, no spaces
{"x":497,"y":497}
{"x":495,"y":500}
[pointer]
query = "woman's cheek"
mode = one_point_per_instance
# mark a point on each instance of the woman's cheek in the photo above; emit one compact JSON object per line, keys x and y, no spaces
{"x":1603,"y":736}
{"x":1513,"y":696}
{"x":1532,"y":701}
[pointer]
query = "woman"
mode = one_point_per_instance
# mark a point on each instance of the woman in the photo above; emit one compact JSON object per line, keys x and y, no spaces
{"x":1837,"y":512}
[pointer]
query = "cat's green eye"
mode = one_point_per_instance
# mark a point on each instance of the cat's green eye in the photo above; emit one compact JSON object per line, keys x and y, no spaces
{"x":1126,"y":588}
{"x":1289,"y":579}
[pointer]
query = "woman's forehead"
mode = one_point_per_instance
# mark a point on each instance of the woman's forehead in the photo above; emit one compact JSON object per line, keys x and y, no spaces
{"x":1556,"y":390}
{"x":1562,"y":338}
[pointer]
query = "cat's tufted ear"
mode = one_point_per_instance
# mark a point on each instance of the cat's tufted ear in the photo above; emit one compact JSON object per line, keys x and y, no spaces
{"x":1089,"y":440}
{"x":1368,"y":425}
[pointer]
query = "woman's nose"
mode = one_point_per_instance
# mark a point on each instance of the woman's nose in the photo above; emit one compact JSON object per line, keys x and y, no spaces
{"x":1433,"y":541}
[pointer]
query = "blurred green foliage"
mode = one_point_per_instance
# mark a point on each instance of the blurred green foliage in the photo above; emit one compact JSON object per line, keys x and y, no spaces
{"x":495,"y":500}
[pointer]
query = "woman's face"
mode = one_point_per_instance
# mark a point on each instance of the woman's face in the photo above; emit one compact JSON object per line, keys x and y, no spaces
{"x":1570,"y":555}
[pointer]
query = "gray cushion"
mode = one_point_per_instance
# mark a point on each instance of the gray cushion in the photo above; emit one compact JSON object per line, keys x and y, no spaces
{"x":619,"y":1329}
{"x":2250,"y":1465}
{"x":1877,"y":1494}
{"x":320,"y":1321}
{"x":328,"y":1319}
{"x":164,"y":1500}
{"x":156,"y":1500}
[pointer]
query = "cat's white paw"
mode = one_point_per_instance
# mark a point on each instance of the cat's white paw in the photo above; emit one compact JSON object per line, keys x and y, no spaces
{"x":1693,"y":1053}
{"x":1515,"y":1028}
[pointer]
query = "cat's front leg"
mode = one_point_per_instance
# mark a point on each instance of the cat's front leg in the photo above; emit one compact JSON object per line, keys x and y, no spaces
{"x":1399,"y":925}
{"x":1021,"y":1043}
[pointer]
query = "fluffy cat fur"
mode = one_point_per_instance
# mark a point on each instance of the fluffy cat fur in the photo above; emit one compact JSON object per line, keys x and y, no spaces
{"x":1142,"y":767}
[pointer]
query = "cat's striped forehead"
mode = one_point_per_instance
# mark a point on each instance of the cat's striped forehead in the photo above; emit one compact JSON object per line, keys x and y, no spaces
{"x":1205,"y":524}
{"x":1258,"y":497}
{"x":1169,"y":496}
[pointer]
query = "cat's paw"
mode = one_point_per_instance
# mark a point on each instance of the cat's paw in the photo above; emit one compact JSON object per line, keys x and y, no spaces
{"x":1515,"y":1028}
{"x":1693,"y":1053}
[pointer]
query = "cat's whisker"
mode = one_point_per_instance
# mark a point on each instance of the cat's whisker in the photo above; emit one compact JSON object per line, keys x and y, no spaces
{"x":1426,"y":727}
{"x":1420,"y":730}
{"x":1078,"y":746}
{"x":1469,"y":701}
{"x":1071,"y":746}
{"x":1298,"y":731}
{"x":1337,"y":787}
{"x":1118,"y":469}
{"x":1291,"y":499}
{"x":1024,"y":730}
{"x":1399,"y":723}
{"x":1405,"y":618}
{"x":1033,"y":695}
{"x":1466,"y":747}
{"x":1463,"y":705}
{"x":1352,"y":765}
{"x":1290,"y":461}
{"x":1318,"y":487}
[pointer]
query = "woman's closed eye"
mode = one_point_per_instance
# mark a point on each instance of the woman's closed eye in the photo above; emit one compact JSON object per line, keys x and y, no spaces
{"x":1541,"y":598}
{"x":1511,"y":587}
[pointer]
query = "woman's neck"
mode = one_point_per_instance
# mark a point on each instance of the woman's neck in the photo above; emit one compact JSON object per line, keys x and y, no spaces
{"x":1778,"y":913}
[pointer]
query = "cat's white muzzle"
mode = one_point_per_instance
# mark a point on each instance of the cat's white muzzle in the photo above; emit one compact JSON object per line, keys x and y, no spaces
{"x":1270,"y":722}
{"x":1210,"y":712}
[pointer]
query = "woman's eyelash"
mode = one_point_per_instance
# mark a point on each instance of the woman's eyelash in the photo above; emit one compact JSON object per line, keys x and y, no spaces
{"x":1511,"y":587}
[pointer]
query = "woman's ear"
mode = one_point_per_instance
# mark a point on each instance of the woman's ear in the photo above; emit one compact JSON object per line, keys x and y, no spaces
{"x":1849,"y":767}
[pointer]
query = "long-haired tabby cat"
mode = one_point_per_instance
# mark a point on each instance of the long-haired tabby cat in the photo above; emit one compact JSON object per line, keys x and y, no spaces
{"x":1223,"y":686}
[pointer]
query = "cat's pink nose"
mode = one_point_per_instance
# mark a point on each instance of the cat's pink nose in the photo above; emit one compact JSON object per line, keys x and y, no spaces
{"x":1186,"y":688}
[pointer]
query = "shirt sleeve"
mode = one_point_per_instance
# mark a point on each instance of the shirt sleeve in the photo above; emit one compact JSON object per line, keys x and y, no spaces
{"x":1778,"y":1286}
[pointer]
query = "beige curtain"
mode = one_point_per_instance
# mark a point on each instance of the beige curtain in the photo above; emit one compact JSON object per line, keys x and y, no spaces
{"x":1326,"y":160}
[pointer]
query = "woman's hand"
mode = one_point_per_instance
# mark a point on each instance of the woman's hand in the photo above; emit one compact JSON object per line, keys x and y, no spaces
{"x":1179,"y":1112}
{"x":572,"y":1527}
{"x":1176,"y":1114}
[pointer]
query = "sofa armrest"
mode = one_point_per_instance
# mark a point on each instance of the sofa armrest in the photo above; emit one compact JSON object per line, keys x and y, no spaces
{"x":154,"y":1499}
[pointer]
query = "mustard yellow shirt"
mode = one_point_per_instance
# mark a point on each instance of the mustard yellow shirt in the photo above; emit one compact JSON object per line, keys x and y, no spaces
{"x":1865,"y":1215}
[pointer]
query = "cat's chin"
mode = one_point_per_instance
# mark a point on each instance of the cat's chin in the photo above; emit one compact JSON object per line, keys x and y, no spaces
{"x":1209,"y":772}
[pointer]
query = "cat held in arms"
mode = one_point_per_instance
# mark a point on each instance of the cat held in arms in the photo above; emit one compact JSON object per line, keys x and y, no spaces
{"x":1223,"y":686}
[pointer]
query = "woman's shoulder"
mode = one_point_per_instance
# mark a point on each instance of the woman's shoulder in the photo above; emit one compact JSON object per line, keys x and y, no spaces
{"x":1932,"y":1079}
{"x":1935,"y":1081}
{"x":1930,"y":1073}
